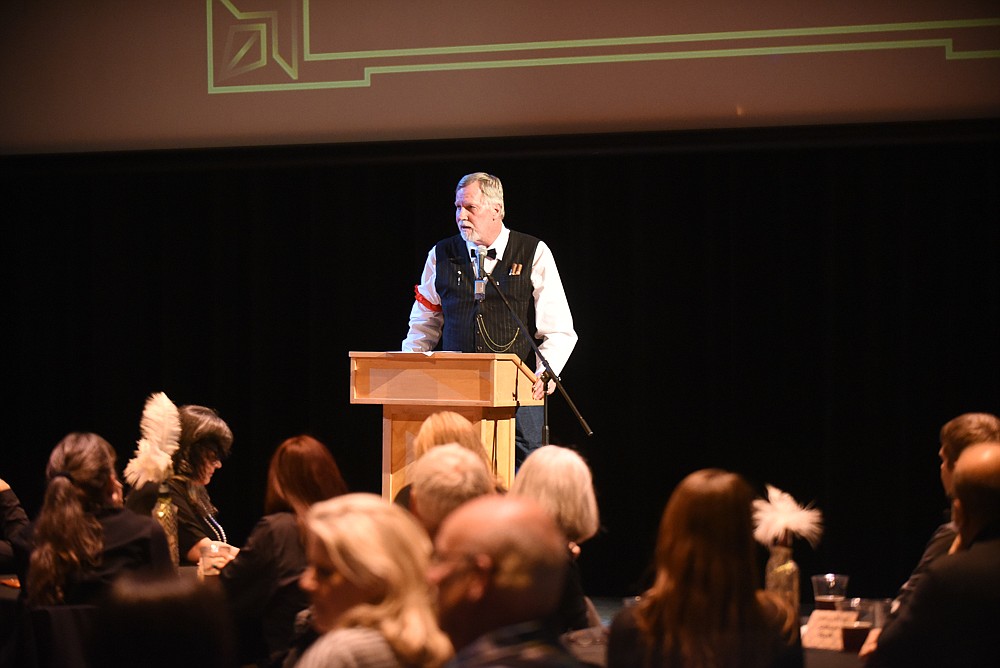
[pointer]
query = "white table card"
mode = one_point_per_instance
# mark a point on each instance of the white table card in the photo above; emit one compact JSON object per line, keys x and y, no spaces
{"x":823,"y":629}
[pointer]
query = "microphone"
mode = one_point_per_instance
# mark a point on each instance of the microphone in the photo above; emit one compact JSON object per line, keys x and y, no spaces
{"x":481,"y":269}
{"x":481,"y":260}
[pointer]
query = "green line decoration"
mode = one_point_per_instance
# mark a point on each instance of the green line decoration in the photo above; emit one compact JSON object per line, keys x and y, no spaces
{"x":258,"y":51}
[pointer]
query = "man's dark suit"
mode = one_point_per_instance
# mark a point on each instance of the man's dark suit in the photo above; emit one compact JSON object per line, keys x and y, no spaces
{"x":952,"y":616}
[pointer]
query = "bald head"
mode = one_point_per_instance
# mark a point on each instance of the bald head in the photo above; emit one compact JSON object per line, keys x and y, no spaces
{"x":502,"y":561}
{"x":518,"y":534}
{"x":977,"y":489}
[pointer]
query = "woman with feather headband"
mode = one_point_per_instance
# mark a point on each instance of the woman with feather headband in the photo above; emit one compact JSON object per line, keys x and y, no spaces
{"x":704,"y":609}
{"x":83,"y":539}
{"x":181,"y":448}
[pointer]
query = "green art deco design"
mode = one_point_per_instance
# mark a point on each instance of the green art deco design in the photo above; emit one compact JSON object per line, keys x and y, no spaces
{"x":245,"y":42}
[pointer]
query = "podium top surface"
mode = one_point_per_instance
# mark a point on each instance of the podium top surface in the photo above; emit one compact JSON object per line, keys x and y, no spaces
{"x":441,"y":379}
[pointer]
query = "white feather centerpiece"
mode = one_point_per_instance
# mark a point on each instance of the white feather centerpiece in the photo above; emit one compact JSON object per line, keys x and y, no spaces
{"x":161,"y":431}
{"x":780,"y":517}
{"x":777,"y":519}
{"x":160,"y":428}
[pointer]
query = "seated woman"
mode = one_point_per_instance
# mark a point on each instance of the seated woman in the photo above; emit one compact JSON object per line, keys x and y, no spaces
{"x":704,"y":608}
{"x":83,"y":539}
{"x":448,"y":427}
{"x":366,"y":579}
{"x":559,"y":480}
{"x":262,"y":582}
{"x":205,"y":440}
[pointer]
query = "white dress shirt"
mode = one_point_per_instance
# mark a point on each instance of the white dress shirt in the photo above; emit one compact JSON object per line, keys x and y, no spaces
{"x":553,"y":319}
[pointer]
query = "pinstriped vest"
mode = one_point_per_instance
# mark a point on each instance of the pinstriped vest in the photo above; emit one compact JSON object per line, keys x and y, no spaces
{"x":495,"y":331}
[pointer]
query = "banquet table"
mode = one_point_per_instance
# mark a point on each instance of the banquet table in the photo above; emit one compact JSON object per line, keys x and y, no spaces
{"x":814,"y":658}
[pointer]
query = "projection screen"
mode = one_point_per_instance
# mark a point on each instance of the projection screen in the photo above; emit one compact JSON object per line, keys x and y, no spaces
{"x":122,"y":75}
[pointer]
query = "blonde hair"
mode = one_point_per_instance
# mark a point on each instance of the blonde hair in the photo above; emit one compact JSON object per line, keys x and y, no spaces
{"x":446,"y":427}
{"x":451,"y":427}
{"x":380,"y":548}
{"x":559,"y":480}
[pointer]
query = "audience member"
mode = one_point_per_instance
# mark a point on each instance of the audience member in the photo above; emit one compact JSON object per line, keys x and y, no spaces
{"x":83,"y":539}
{"x":956,"y":435}
{"x":559,"y":480}
{"x":499,"y":567}
{"x":262,"y":581}
{"x":950,"y":619}
{"x":205,"y":440}
{"x":704,"y":608}
{"x":448,"y":427}
{"x":370,"y":600}
{"x":444,"y":478}
{"x":167,"y":623}
{"x":13,"y":520}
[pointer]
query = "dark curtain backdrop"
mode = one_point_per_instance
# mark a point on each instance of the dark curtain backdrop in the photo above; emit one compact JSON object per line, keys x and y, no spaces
{"x":806,"y":306}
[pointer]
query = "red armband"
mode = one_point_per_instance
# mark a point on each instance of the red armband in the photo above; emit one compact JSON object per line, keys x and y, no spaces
{"x":423,"y":300}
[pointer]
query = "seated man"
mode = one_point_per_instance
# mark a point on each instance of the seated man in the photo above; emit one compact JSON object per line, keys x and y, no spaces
{"x":444,"y":478}
{"x":499,"y":567}
{"x":956,"y":434}
{"x":950,"y":619}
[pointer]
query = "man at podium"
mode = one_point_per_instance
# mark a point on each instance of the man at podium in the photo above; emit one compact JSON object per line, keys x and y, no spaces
{"x":457,"y":304}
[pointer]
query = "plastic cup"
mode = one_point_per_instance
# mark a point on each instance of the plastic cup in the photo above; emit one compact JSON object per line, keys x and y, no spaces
{"x":828,"y":590}
{"x":871,"y":614}
{"x":213,"y":557}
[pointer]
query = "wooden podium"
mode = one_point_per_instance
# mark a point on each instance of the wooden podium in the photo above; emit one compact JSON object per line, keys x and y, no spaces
{"x":483,"y":387}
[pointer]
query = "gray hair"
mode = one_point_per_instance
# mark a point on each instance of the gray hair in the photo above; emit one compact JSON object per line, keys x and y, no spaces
{"x":444,"y":478}
{"x":559,"y":480}
{"x":489,"y":185}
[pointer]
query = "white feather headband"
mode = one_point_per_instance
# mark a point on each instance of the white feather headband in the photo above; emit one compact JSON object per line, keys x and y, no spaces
{"x":779,"y":517}
{"x":161,"y":431}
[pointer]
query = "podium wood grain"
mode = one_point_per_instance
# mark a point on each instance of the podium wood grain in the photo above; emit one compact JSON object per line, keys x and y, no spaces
{"x":485,"y":388}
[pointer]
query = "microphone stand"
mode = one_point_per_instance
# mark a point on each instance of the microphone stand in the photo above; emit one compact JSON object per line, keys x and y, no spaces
{"x":547,"y":375}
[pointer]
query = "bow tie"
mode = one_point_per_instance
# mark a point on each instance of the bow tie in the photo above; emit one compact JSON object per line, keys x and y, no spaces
{"x":491,"y":253}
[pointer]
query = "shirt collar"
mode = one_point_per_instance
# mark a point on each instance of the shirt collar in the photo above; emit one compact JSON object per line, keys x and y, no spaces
{"x":500,"y":244}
